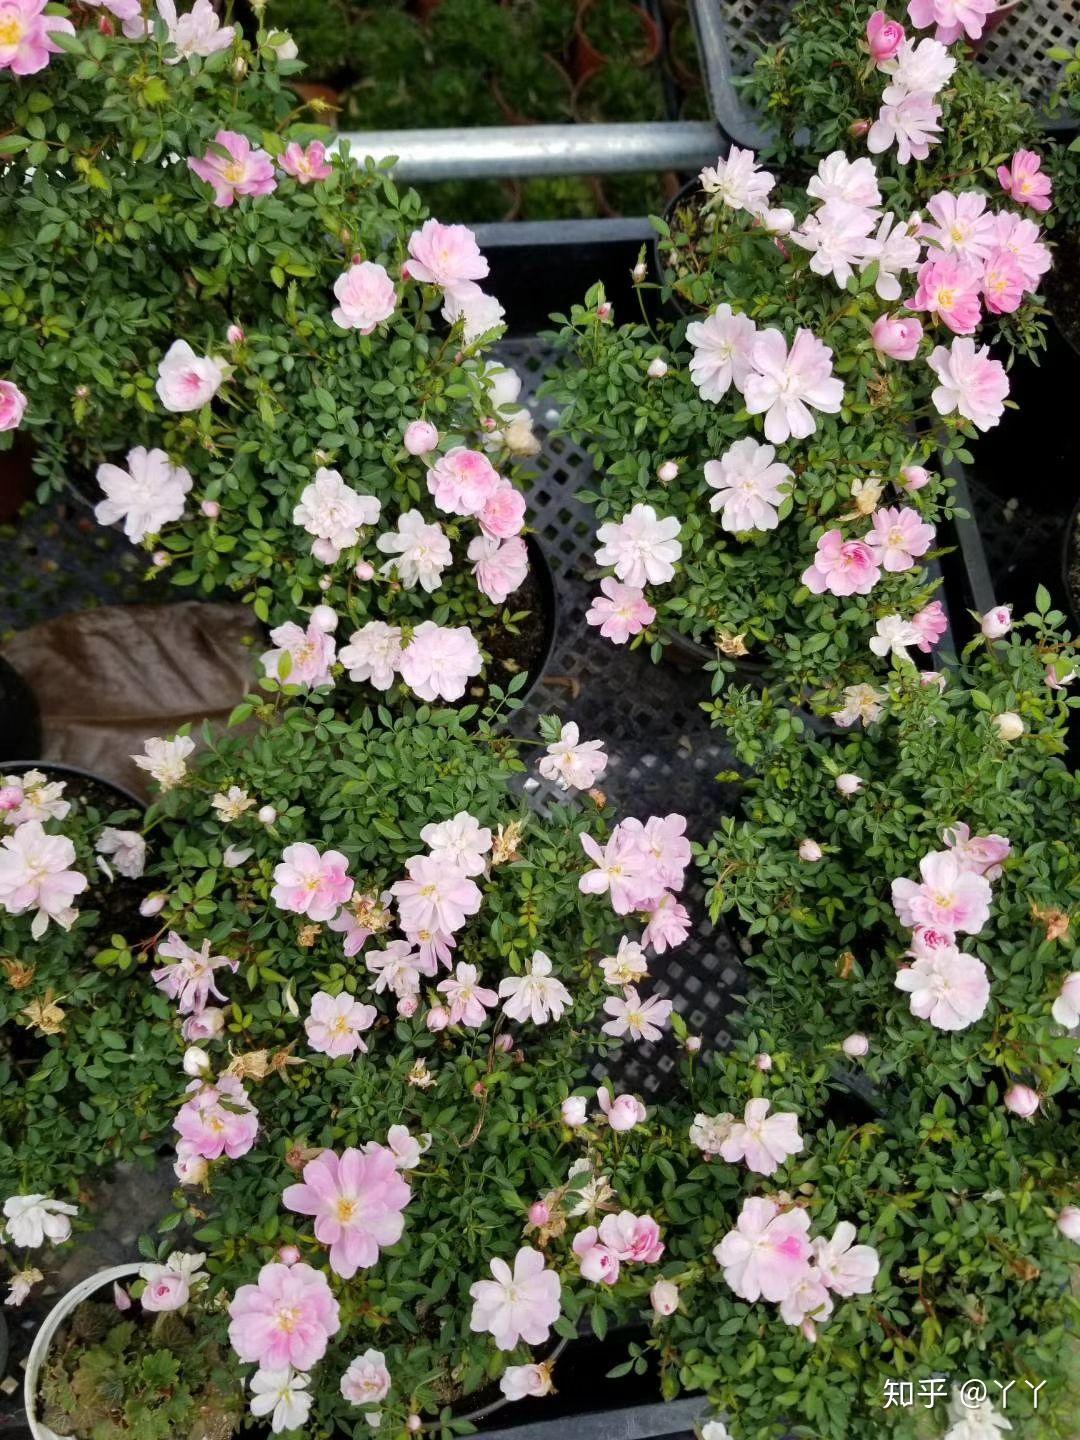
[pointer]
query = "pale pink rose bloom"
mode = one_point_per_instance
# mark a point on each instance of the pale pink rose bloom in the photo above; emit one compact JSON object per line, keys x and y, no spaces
{"x":503,"y":515}
{"x":749,"y":486}
{"x":356,"y":1199}
{"x":948,"y":988}
{"x":633,"y":1239}
{"x":12,"y":405}
{"x":837,"y":235}
{"x":436,"y":896}
{"x":367,"y":1380}
{"x":335,"y":1022}
{"x":168,"y":1286}
{"x":896,"y":336}
{"x":1022,"y":238}
{"x":398,"y":968}
{"x":311,"y":653}
{"x":854,"y":181}
{"x":845,"y":1268}
{"x":187,"y":381}
{"x":35,"y":874}
{"x":205,"y":1024}
{"x":406,"y":1148}
{"x":521,"y":1304}
{"x":572,"y":763}
{"x":1066,"y":1008}
{"x":809,"y":850}
{"x":897,"y":537}
{"x":862,"y":704}
{"x":1068,"y":1222}
{"x":421,"y":437}
{"x":971,"y":383}
{"x":982,"y":854}
{"x":306,"y":165}
{"x":366,"y":297}
{"x":445,"y":255}
{"x":642,"y":548}
{"x":739,"y":181}
{"x":953,"y":18}
{"x":241,"y":171}
{"x":786,"y":384}
{"x":949,"y":897}
{"x":623,"y":1112}
{"x":188,"y":977}
{"x":33,"y":1219}
{"x":911,"y":124}
{"x":843,"y":567}
{"x":536,"y":995}
{"x":334,"y":513}
{"x":1004,"y":283}
{"x":30,"y":796}
{"x":21,"y":1284}
{"x":668,"y":926}
{"x":282,"y":1396}
{"x":439,"y":661}
{"x":1025,"y":181}
{"x":722,"y":345}
{"x":189,"y":1167}
{"x":620,"y":868}
{"x":419,"y":552}
{"x":663,"y":838}
{"x":768,"y":1253}
{"x":211,"y":1128}
{"x":896,"y":249}
{"x":312,"y":883}
{"x":920,"y":67}
{"x":461,"y":842}
{"x":574,"y":1111}
{"x":807,"y":1302}
{"x":620,"y":611}
{"x":468,"y":1000}
{"x":641,"y":1019}
{"x":26,"y":36}
{"x":1021,"y":1100}
{"x":762,"y":1140}
{"x":997,"y":622}
{"x":199,"y":32}
{"x":285,"y":1319}
{"x":145,"y":496}
{"x":884,"y":36}
{"x":930,"y":623}
{"x":598,"y":1264}
{"x":373,"y":654}
{"x":950,"y":289}
{"x":664,"y":1297}
{"x":462,"y":481}
{"x":518,"y":1381}
{"x":964,"y":228}
{"x":478,"y":311}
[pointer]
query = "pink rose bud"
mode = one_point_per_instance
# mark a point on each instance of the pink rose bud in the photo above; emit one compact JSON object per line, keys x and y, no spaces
{"x":1008,"y":725}
{"x":82,"y":392}
{"x":914,"y":477}
{"x":895,"y":337}
{"x":266,"y":815}
{"x":505,"y":1043}
{"x":997,"y":622}
{"x":325,"y":551}
{"x":325,"y":618}
{"x":693,"y":1044}
{"x":413,"y":1423}
{"x":1021,"y":1100}
{"x":437,"y":1018}
{"x":539,"y":1214}
{"x":488,"y":423}
{"x":599,"y":1265}
{"x":1068,"y":1222}
{"x":604,"y":311}
{"x":858,"y":128}
{"x":668,"y":471}
{"x":884,"y":36}
{"x":810,"y":851}
{"x":638,"y":273}
{"x":122,"y":1300}
{"x":849,"y":784}
{"x":160,"y":558}
{"x":407,"y":1006}
{"x":288,"y":1254}
{"x":855,"y":1046}
{"x":152,"y":905}
{"x":657,"y":369}
{"x":211,"y":509}
{"x":664,"y":1297}
{"x":364,"y":571}
{"x":764,"y":1062}
{"x":574,"y":1111}
{"x":235,"y":335}
{"x":325,"y":581}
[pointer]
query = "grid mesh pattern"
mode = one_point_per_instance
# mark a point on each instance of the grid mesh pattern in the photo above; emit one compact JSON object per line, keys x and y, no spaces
{"x":1016,"y":50}
{"x":663,"y":753}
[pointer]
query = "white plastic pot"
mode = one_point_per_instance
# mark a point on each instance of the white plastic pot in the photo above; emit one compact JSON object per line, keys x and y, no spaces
{"x":44,"y":1337}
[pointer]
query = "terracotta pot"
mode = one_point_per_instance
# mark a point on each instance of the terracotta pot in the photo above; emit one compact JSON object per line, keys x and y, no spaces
{"x":313,"y":91}
{"x":586,"y":59}
{"x":423,"y":8}
{"x":509,"y":111}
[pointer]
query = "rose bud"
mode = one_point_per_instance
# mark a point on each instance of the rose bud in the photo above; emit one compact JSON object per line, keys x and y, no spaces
{"x":664,"y":1297}
{"x":1021,"y":1100}
{"x":997,"y":622}
{"x":1008,"y":725}
{"x":855,"y":1046}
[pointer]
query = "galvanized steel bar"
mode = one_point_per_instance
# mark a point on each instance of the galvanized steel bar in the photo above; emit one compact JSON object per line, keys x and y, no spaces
{"x":515,"y":151}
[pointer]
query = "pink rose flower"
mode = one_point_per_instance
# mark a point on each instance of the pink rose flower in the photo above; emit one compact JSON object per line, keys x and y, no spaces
{"x":884,"y":36}
{"x":1025,"y":182}
{"x":623,"y":1111}
{"x":521,"y":1304}
{"x":146,"y":496}
{"x":310,"y":652}
{"x":1066,"y":1007}
{"x":896,"y":337}
{"x":931,"y":622}
{"x":366,"y":297}
{"x":335,"y":1022}
{"x":950,"y":289}
{"x":436,"y":896}
{"x":668,"y":925}
{"x":898,"y":537}
{"x":964,"y":228}
{"x":35,"y":874}
{"x":953,"y":18}
{"x":240,"y":171}
{"x":971,"y":383}
{"x":12,"y":405}
{"x":168,"y":1286}
{"x":981,"y":854}
{"x":308,"y":165}
{"x":911,"y":123}
{"x":367,"y":1380}
{"x":188,"y":978}
{"x":786,"y":384}
{"x":284,"y":1320}
{"x":621,"y":611}
{"x":1003,"y":283}
{"x":311,"y":883}
{"x":632,"y":1239}
{"x":767,"y":1253}
{"x":445,"y":255}
{"x":641,"y":1019}
{"x":209,"y":1128}
{"x":762,"y":1140}
{"x":997,"y":622}
{"x":1023,"y":239}
{"x":503,"y":514}
{"x":1021,"y":1100}
{"x":845,"y":1268}
{"x":468,"y":1000}
{"x":439,"y":660}
{"x":462,"y":481}
{"x":843,"y":567}
{"x":949,"y":897}
{"x":421,"y":437}
{"x":187,"y":381}
{"x":26,"y":36}
{"x":356,"y":1199}
{"x":914,"y":477}
{"x":598,"y":1264}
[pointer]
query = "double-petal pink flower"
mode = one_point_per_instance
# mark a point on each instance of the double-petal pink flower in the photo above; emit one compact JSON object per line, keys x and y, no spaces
{"x":356,"y":1199}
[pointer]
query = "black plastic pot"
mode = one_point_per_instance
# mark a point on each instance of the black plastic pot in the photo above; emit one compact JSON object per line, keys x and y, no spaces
{"x":124,"y":798}
{"x":1070,"y":567}
{"x":20,"y":719}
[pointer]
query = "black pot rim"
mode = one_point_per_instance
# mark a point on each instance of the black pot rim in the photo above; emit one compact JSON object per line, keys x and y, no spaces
{"x":1072,"y":602}
{"x":684,"y":192}
{"x":549,"y":597}
{"x":13,"y":767}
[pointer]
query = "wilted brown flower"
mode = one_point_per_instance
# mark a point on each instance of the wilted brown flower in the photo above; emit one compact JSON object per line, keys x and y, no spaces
{"x":731,"y":645}
{"x":19,"y":975}
{"x":45,"y":1015}
{"x":507,"y":840}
